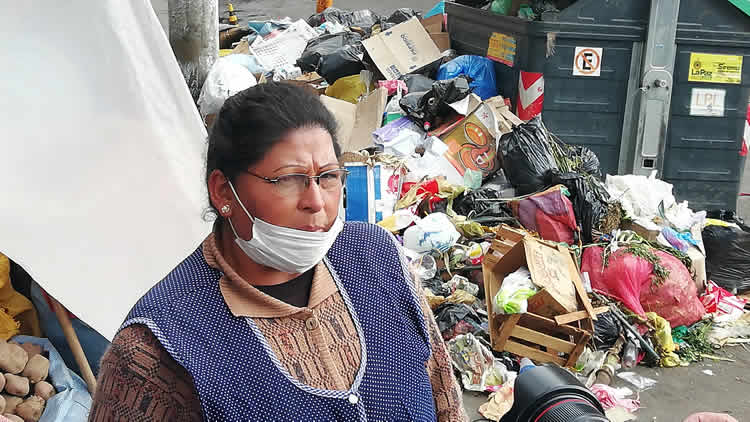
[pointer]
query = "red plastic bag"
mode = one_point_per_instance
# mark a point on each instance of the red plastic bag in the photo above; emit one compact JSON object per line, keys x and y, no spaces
{"x":549,"y":213}
{"x":628,"y":279}
{"x":718,"y":299}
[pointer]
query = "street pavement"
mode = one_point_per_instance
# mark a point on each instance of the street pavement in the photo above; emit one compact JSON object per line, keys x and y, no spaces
{"x":682,"y":391}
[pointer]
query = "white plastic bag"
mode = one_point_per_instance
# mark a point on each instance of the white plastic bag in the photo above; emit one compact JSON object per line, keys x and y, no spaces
{"x":514,"y":293}
{"x":640,"y":196}
{"x":226,"y":78}
{"x":432,"y":233}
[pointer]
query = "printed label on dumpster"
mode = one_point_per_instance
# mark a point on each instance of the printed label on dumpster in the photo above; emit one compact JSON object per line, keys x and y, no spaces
{"x":715,"y":68}
{"x":707,"y":102}
{"x":502,"y":48}
{"x":587,"y":61}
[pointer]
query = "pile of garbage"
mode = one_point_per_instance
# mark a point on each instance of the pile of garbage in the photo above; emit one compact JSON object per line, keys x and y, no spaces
{"x":523,"y":247}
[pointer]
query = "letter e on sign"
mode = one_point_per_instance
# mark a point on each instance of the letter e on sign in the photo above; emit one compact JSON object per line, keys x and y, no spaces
{"x":587,"y":61}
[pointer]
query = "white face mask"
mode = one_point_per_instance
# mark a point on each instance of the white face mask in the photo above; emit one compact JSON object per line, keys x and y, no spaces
{"x":287,"y":250}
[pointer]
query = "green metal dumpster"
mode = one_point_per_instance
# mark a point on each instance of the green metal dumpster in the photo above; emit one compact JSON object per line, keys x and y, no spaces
{"x":617,"y":79}
{"x":707,"y":117}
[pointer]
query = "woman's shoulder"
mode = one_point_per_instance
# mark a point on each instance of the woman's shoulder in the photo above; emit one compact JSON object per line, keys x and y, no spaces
{"x":136,"y":364}
{"x":366,"y":234}
{"x":190,"y":276}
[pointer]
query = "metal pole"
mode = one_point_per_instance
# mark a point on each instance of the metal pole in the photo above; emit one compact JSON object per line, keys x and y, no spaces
{"x":656,"y":86}
{"x":194,"y":35}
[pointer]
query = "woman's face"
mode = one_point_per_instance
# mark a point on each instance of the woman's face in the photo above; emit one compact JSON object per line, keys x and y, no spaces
{"x":303,"y":151}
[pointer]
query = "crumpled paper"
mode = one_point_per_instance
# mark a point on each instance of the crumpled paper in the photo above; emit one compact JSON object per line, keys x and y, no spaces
{"x":499,"y":403}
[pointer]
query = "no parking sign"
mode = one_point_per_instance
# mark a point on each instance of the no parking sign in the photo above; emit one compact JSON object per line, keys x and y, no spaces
{"x":587,"y":61}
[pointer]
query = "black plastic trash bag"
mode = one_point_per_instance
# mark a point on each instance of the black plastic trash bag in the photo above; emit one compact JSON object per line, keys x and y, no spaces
{"x":729,"y":216}
{"x":589,"y":161}
{"x":437,"y":286}
{"x":589,"y":197}
{"x":417,"y":83}
{"x":474,"y":3}
{"x":482,"y":206}
{"x":527,"y":156}
{"x":345,"y":61}
{"x":322,"y":46}
{"x":607,"y":330}
{"x":428,"y":106}
{"x":401,"y":15}
{"x":455,"y":319}
{"x":728,"y":257}
{"x":364,"y":19}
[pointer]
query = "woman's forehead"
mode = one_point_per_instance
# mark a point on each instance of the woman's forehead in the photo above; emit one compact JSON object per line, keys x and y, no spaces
{"x":304,"y":147}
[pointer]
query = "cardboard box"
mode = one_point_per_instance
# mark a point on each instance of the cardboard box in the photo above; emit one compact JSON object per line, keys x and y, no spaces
{"x":402,"y":49}
{"x":442,"y":40}
{"x":435,"y":27}
{"x":472,"y":144}
{"x":433,"y":24}
{"x":649,"y":234}
{"x":370,"y":194}
{"x":358,"y":121}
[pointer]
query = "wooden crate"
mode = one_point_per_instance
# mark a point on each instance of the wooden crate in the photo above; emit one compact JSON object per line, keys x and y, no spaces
{"x":540,"y":339}
{"x":554,"y":330}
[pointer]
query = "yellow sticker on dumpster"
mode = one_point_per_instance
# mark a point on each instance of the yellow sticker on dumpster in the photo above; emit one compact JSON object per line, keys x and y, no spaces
{"x":715,"y":68}
{"x":502,"y":48}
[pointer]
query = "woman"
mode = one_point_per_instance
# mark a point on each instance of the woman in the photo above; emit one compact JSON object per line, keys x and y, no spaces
{"x":284,"y":312}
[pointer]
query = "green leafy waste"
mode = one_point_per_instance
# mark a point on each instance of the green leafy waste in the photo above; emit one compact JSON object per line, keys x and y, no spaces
{"x":646,"y":252}
{"x":693,"y":341}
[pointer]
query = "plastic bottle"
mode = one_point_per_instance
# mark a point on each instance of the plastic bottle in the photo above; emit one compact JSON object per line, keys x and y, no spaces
{"x":393,"y":110}
{"x":424,"y":268}
{"x":630,"y":355}
{"x":501,"y":7}
{"x":526,"y":364}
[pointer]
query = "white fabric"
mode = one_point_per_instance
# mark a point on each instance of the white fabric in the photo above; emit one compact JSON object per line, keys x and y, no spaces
{"x":103,"y":153}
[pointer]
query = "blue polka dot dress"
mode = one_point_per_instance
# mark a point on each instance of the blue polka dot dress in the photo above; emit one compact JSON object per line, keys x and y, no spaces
{"x":239,"y":378}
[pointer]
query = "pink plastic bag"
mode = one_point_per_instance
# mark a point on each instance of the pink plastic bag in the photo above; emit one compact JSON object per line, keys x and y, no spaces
{"x":549,"y":213}
{"x":609,"y":399}
{"x":628,"y":279}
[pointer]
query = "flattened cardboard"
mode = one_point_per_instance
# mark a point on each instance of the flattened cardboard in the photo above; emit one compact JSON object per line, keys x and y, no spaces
{"x":368,"y":119}
{"x":402,"y":49}
{"x":357,"y":121}
{"x":550,"y":271}
{"x":442,"y":40}
{"x":433,"y":24}
{"x":472,"y":142}
{"x":345,"y":114}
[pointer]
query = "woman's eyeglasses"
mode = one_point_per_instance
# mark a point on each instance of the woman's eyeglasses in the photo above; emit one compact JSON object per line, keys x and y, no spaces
{"x":296,"y":184}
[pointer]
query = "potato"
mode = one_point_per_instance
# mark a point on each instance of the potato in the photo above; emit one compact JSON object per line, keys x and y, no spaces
{"x":36,"y":369}
{"x":13,"y":418}
{"x":12,"y":358}
{"x":18,"y":386}
{"x":31,"y":409}
{"x":32,"y":349}
{"x":11,"y":402}
{"x":44,"y":390}
{"x":2,"y":405}
{"x":2,"y":383}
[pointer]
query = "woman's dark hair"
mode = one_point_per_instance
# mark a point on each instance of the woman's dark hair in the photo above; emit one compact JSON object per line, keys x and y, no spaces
{"x":252,"y":121}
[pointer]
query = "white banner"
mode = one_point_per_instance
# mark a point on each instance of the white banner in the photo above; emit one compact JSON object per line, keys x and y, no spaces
{"x":101,"y":181}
